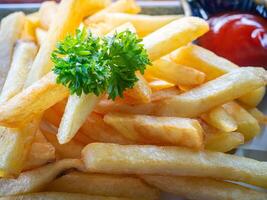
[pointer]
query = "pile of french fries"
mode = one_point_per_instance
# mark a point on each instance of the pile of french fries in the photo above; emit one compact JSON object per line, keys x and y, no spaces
{"x":171,"y":132}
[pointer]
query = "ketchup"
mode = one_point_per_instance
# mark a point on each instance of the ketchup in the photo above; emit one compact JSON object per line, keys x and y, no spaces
{"x":239,"y":37}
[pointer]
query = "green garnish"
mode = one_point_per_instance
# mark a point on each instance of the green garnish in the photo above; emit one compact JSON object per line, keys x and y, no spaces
{"x":88,"y":64}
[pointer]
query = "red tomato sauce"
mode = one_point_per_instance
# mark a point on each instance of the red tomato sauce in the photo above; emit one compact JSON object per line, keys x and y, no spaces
{"x":239,"y":37}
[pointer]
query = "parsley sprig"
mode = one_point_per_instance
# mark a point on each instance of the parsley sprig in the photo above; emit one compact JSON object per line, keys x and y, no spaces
{"x":88,"y":64}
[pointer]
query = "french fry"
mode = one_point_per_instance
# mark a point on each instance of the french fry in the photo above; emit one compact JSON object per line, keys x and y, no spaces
{"x":123,"y":6}
{"x":69,"y":15}
{"x":156,"y":85}
{"x":36,"y":179}
{"x":14,"y":147}
{"x":28,"y":31}
{"x":60,"y":196}
{"x":253,"y":98}
{"x":174,"y":35}
{"x":211,"y":64}
{"x":32,"y":101}
{"x":164,"y":68}
{"x":175,"y":161}
{"x":213,"y":93}
{"x":107,"y":106}
{"x":220,"y":119}
{"x":223,"y":141}
{"x":257,"y":114}
{"x":41,"y":153}
{"x":247,"y":124}
{"x":141,"y":92}
{"x":203,"y":188}
{"x":40,"y":36}
{"x":47,"y":13}
{"x":203,"y":60}
{"x":10,"y":30}
{"x":78,"y":108}
{"x":165,"y":94}
{"x":24,"y":54}
{"x":103,"y":185}
{"x":70,"y":150}
{"x":98,"y":130}
{"x":144,"y":24}
{"x":76,"y":112}
{"x":158,"y":130}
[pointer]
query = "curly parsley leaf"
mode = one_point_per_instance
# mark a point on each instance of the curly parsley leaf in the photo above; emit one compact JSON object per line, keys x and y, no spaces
{"x":88,"y":64}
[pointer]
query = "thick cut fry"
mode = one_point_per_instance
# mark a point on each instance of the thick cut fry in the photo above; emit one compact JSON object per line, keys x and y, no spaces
{"x":36,"y":179}
{"x":144,"y":24}
{"x":70,"y":150}
{"x":10,"y":30}
{"x":40,"y":36}
{"x":203,"y":188}
{"x":257,"y":114}
{"x":174,"y":35}
{"x":156,"y":84}
{"x":47,"y":13}
{"x":60,"y":196}
{"x":28,"y":31}
{"x":41,"y":152}
{"x":78,"y":108}
{"x":32,"y":101}
{"x":158,"y":130}
{"x":103,"y":185}
{"x":177,"y":161}
{"x":166,"y":69}
{"x":24,"y":54}
{"x":76,"y":112}
{"x":98,"y":130}
{"x":14,"y":147}
{"x":165,"y":94}
{"x":223,"y":141}
{"x":141,"y":92}
{"x":253,"y":98}
{"x":220,"y":119}
{"x":203,"y":60}
{"x":247,"y":124}
{"x":69,"y":15}
{"x":107,"y":106}
{"x":123,"y":6}
{"x":211,"y":64}
{"x":213,"y":93}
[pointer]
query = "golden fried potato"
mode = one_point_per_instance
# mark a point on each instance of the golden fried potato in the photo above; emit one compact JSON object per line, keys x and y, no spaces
{"x":253,"y":98}
{"x":213,"y":66}
{"x":40,"y":36}
{"x":70,"y":150}
{"x":257,"y":114}
{"x":167,"y":70}
{"x":174,"y":35}
{"x":10,"y":30}
{"x":158,"y":130}
{"x":23,"y":56}
{"x":120,"y":6}
{"x":203,"y":188}
{"x":47,"y":13}
{"x":36,"y":180}
{"x":220,"y":119}
{"x":213,"y":93}
{"x":103,"y":185}
{"x":14,"y":147}
{"x":175,"y":161}
{"x":144,"y":24}
{"x":41,"y":152}
{"x":32,"y":101}
{"x":247,"y":124}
